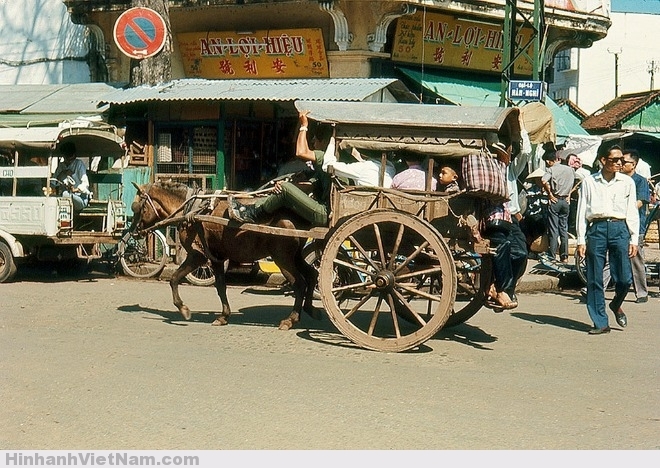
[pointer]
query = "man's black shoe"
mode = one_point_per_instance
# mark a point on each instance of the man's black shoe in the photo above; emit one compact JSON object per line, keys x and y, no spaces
{"x":621,"y":318}
{"x":599,"y":331}
{"x":242,"y":213}
{"x":642,"y":299}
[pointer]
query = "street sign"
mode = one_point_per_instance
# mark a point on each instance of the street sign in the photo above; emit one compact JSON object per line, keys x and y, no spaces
{"x":140,"y":32}
{"x":526,"y":90}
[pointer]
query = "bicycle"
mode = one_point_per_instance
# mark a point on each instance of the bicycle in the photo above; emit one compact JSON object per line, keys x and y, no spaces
{"x":146,"y":256}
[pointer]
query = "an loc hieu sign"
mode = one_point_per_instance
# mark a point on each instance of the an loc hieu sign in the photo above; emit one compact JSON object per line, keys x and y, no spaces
{"x":289,"y":53}
{"x":526,"y":90}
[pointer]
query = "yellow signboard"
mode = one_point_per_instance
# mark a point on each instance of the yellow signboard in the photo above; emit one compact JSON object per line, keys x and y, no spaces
{"x":446,"y":41}
{"x":289,"y":53}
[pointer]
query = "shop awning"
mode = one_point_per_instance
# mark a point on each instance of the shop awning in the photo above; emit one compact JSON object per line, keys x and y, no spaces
{"x":332,"y":89}
{"x":480,"y":91}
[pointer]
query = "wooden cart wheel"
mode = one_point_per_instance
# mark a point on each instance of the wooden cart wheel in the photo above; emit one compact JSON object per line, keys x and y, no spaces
{"x":406,"y":280}
{"x":475,"y":275}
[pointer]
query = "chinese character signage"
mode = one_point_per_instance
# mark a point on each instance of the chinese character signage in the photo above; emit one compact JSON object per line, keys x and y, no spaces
{"x":292,"y":53}
{"x":446,"y":41}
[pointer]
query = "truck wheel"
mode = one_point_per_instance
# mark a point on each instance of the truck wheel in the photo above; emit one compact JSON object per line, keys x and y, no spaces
{"x":7,"y":264}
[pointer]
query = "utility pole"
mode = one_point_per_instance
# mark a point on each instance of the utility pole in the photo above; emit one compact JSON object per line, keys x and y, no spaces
{"x":616,"y":53}
{"x":512,"y":51}
{"x":652,"y":69}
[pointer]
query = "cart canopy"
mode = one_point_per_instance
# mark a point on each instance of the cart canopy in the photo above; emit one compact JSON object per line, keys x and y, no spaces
{"x":43,"y":140}
{"x":433,"y":130}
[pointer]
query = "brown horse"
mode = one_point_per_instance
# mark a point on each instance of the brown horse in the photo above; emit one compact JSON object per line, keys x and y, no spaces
{"x":218,"y":243}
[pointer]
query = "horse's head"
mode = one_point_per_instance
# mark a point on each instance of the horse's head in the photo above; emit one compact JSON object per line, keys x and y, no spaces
{"x":155,"y":202}
{"x":146,"y":210}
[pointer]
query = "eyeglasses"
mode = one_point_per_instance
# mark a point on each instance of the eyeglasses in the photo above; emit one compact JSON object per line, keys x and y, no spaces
{"x":628,"y":162}
{"x":614,"y":160}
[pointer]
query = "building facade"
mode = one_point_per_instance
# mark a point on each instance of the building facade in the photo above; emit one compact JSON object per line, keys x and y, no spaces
{"x":44,"y":46}
{"x":626,"y":61}
{"x":419,"y":42}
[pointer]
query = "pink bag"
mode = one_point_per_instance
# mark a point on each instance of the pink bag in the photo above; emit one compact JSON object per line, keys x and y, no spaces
{"x":484,"y":176}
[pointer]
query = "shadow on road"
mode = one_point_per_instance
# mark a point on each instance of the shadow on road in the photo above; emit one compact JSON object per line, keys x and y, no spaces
{"x":560,"y":322}
{"x":170,"y":317}
{"x":468,"y":335}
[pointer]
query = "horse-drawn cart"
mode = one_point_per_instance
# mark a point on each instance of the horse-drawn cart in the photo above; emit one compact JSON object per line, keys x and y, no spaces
{"x":395,"y":266}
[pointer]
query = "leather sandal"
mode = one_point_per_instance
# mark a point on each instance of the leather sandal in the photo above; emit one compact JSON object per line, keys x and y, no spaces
{"x":501,"y":301}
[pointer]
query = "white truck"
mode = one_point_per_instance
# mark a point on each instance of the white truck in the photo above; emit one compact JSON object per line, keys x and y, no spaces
{"x":37,"y":225}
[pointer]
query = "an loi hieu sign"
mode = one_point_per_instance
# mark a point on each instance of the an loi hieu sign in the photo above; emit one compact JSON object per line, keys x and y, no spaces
{"x":445,"y":41}
{"x":290,"y":53}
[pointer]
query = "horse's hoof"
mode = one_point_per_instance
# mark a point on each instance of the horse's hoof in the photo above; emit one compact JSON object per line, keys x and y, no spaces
{"x":286,"y":324}
{"x":185,"y":311}
{"x":219,"y":322}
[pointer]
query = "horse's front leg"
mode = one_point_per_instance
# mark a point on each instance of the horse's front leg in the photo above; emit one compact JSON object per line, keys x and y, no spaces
{"x":219,"y":270}
{"x":298,"y":285}
{"x":311,"y":276}
{"x":193,"y":260}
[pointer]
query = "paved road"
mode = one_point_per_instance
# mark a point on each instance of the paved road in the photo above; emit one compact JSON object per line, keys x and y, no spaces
{"x":105,"y":363}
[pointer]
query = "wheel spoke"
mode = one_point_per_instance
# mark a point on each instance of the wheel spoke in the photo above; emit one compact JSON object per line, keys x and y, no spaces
{"x":346,"y":287}
{"x":411,"y":257}
{"x":379,"y":241}
{"x":406,"y":304}
{"x":357,"y":306}
{"x":374,"y":317}
{"x":417,"y":292}
{"x":364,"y":253}
{"x":352,"y":266}
{"x":397,"y":244}
{"x":395,"y":318}
{"x":412,"y":274}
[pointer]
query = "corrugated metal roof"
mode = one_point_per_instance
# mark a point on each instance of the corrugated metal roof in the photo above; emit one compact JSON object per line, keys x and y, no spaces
{"x":80,"y":98}
{"x":409,"y":115}
{"x":334,"y":89}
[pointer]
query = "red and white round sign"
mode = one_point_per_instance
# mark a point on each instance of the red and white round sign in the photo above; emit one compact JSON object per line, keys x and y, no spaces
{"x":140,"y":32}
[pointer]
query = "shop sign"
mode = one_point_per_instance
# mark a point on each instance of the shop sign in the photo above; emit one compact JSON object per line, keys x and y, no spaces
{"x":449,"y":42}
{"x":288,"y":53}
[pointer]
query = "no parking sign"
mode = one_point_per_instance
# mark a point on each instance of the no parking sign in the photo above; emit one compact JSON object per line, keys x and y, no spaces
{"x":140,"y":32}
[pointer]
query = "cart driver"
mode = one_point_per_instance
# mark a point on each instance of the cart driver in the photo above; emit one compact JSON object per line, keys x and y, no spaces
{"x":364,"y":171}
{"x":71,"y":175}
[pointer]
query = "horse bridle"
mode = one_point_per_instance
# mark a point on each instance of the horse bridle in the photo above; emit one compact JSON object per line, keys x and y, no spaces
{"x":144,"y":199}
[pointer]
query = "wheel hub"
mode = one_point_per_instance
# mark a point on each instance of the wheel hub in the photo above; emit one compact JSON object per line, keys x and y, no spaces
{"x":385,"y":280}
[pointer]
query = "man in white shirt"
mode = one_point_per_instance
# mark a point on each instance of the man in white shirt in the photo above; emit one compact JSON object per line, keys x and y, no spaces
{"x":607,"y":224}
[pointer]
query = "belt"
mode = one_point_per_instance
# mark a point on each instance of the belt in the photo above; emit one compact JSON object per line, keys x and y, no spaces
{"x":608,"y":220}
